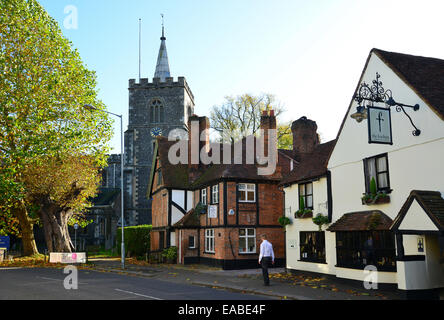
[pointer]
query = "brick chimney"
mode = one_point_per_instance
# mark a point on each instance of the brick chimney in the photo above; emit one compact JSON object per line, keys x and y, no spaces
{"x":305,"y":137}
{"x":198,"y":129}
{"x":268,"y":121}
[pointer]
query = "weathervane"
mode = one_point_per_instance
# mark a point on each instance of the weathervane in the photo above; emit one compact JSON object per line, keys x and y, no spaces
{"x":163,"y":28}
{"x":375,"y":93}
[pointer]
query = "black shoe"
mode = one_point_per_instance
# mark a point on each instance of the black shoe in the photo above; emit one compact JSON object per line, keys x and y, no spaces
{"x":266,"y":284}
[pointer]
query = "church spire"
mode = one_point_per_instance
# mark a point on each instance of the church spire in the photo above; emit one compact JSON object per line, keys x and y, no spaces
{"x":162,"y":67}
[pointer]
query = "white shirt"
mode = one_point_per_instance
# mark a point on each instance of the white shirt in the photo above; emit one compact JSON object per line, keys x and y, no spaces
{"x":266,"y":250}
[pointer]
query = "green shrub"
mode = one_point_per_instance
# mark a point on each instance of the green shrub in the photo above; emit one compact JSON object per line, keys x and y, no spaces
{"x":137,"y":240}
{"x":170,"y":254}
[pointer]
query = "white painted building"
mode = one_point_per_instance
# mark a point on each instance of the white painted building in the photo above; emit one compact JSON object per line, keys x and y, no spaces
{"x":406,"y":246}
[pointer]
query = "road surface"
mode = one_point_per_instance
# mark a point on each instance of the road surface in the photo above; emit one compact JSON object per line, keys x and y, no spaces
{"x":48,"y":284}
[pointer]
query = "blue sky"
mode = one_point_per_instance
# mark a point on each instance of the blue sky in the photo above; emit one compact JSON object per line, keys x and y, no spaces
{"x":310,"y":54}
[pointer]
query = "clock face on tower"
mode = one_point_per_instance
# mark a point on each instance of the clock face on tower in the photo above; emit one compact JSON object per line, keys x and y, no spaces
{"x":155,"y":132}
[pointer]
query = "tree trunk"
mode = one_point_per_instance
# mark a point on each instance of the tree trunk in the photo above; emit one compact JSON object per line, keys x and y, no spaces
{"x":55,"y":222}
{"x":27,"y":231}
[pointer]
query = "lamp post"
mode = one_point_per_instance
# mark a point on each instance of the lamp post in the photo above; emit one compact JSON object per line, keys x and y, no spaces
{"x":90,"y":107}
{"x":76,"y":226}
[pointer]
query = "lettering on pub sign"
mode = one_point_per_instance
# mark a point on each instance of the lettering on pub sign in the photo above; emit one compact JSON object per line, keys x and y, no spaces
{"x":379,"y":125}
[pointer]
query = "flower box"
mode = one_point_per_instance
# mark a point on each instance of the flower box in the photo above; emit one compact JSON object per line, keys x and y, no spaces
{"x":303,"y":214}
{"x":378,"y":199}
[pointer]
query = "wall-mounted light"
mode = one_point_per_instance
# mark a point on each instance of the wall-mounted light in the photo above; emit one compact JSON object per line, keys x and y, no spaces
{"x":360,"y":114}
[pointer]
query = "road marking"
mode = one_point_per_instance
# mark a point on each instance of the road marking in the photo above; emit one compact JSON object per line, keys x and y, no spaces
{"x":10,"y":268}
{"x":44,"y":278}
{"x":138,"y":294}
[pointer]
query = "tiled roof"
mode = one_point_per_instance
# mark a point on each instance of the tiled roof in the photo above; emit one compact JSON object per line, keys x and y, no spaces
{"x":311,"y":165}
{"x":362,"y":221}
{"x":190,"y":219}
{"x":181,"y":176}
{"x":174,"y":176}
{"x":432,"y":203}
{"x":424,"y":75}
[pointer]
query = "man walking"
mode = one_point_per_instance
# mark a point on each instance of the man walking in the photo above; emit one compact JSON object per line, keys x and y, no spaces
{"x":266,"y":257}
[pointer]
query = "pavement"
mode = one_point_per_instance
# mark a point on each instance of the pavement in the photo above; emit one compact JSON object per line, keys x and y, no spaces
{"x":283,"y":285}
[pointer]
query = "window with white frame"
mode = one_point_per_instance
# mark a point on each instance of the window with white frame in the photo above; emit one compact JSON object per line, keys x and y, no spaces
{"x":203,"y":196}
{"x":215,"y":194}
{"x":247,"y":240}
{"x":209,"y":240}
{"x":247,"y":192}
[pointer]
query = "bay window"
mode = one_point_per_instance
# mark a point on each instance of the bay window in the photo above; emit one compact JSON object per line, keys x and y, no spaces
{"x":357,"y":249}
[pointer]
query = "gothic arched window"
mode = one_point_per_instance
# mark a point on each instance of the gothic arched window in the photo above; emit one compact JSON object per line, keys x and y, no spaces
{"x":156,"y":111}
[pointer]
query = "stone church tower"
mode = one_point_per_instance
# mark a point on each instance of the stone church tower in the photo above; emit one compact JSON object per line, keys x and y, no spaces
{"x":155,"y":108}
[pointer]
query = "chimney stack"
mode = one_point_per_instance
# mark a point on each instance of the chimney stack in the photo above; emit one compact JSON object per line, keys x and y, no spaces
{"x":305,"y":137}
{"x":268,"y":122}
{"x":198,"y":129}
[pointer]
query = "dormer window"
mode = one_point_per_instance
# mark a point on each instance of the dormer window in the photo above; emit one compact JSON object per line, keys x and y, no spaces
{"x":156,"y":111}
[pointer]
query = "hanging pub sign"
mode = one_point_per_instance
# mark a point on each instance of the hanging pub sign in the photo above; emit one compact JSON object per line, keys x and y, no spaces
{"x":379,"y":125}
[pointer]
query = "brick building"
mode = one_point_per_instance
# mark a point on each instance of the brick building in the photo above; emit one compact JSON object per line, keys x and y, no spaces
{"x":214,"y":214}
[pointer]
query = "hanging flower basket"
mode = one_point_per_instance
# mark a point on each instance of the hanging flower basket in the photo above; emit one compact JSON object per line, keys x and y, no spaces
{"x":320,"y":220}
{"x":284,"y":221}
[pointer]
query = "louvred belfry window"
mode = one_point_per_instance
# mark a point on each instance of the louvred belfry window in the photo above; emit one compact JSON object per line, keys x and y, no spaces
{"x":156,"y":111}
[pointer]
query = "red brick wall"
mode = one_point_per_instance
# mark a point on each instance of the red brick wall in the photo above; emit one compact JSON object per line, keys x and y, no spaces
{"x":184,"y":248}
{"x":227,"y":239}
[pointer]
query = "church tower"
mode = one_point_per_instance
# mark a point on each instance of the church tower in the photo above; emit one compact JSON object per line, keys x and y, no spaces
{"x":155,"y":108}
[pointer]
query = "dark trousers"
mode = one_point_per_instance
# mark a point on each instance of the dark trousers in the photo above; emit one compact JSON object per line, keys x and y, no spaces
{"x":265,"y":263}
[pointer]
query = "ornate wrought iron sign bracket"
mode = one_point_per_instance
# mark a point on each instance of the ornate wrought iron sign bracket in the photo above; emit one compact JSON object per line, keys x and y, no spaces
{"x":375,"y":93}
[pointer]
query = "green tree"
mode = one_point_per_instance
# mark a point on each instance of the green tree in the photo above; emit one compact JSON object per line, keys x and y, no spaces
{"x":43,"y":87}
{"x":240,"y":116}
{"x":60,"y":188}
{"x":285,"y":136}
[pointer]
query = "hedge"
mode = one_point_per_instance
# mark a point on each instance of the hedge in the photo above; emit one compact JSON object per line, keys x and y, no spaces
{"x":137,"y":240}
